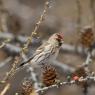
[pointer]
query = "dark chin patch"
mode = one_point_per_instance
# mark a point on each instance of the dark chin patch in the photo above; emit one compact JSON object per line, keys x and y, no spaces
{"x":60,"y":43}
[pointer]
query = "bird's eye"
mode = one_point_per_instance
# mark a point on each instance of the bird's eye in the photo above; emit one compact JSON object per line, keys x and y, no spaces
{"x":59,"y":36}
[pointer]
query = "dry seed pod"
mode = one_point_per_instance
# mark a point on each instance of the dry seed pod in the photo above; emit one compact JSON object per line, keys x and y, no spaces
{"x":87,"y":37}
{"x":49,"y":75}
{"x":80,"y":72}
{"x":27,"y":87}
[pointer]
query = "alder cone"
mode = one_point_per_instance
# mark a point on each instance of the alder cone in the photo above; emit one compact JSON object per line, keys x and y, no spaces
{"x":27,"y":88}
{"x":87,"y":37}
{"x":49,"y":75}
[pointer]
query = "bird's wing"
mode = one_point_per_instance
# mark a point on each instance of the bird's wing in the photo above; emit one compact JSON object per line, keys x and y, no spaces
{"x":38,"y":51}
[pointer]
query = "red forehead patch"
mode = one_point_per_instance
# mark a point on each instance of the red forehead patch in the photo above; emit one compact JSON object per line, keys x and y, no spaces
{"x":60,"y":36}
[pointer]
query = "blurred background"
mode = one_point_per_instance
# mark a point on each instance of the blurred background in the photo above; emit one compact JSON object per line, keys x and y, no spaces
{"x":18,"y":18}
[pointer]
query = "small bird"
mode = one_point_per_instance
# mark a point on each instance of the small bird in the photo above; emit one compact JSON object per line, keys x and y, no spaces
{"x":47,"y":51}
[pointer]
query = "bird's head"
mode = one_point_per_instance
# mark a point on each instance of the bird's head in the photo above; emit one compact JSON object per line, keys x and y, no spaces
{"x":59,"y":37}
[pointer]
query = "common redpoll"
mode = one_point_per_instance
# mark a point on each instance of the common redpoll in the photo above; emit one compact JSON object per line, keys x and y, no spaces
{"x":46,"y":51}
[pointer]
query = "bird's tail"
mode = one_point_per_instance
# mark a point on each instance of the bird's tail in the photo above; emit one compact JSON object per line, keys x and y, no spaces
{"x":22,"y":64}
{"x":26,"y":62}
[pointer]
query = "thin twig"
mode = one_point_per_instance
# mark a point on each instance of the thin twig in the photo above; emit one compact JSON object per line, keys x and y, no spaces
{"x":88,"y":59}
{"x":4,"y":43}
{"x":6,"y":88}
{"x":7,"y":60}
{"x":66,"y":83}
{"x":36,"y":27}
{"x":72,"y":49}
{"x":66,"y":68}
{"x":12,"y":71}
{"x":12,"y":49}
{"x":21,"y":39}
{"x":54,"y":86}
{"x":6,"y":35}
